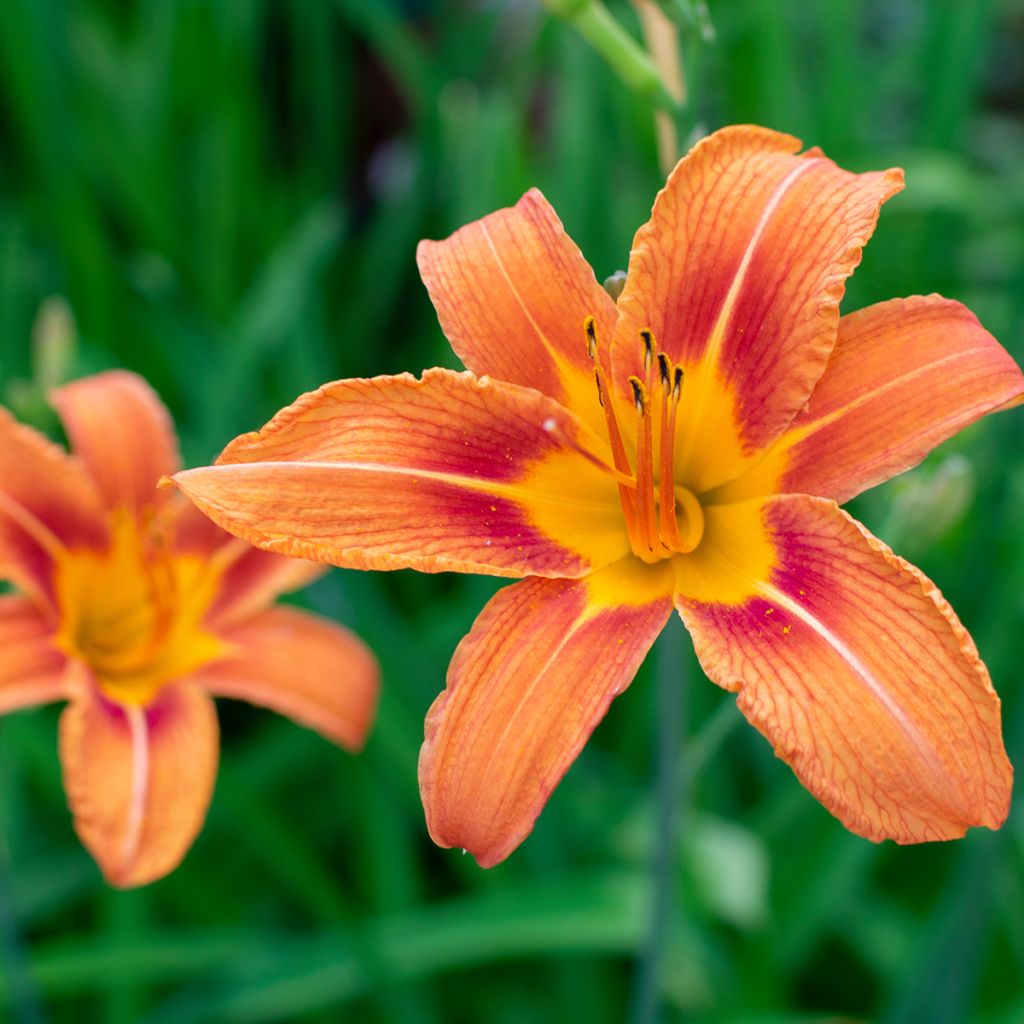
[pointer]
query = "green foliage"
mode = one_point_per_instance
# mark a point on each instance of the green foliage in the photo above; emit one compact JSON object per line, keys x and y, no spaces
{"x":228,"y":195}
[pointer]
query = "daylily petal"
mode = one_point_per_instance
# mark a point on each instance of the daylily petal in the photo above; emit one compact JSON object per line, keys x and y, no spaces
{"x":905,"y":376}
{"x":739,"y":274}
{"x":31,"y":668}
{"x":139,"y":780}
{"x":120,"y":429}
{"x":249,"y":579}
{"x":302,"y":666}
{"x":449,"y":472}
{"x":48,"y":503}
{"x":526,"y":688}
{"x":512,"y":292}
{"x":851,"y":663}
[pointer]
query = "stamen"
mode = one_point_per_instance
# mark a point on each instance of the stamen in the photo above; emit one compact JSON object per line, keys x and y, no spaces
{"x":638,"y":394}
{"x":647,"y":527}
{"x":671,"y":382}
{"x":590,"y":327}
{"x":648,"y":339}
{"x":619,"y":456}
{"x":652,"y":516}
{"x":664,"y":372}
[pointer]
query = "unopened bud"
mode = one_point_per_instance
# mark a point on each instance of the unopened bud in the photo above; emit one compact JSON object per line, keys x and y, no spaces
{"x":54,"y":341}
{"x":613,"y":285}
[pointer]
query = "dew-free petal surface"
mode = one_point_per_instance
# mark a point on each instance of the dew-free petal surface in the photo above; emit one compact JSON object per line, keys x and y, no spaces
{"x":859,"y":673}
{"x":512,"y":292}
{"x":526,"y":687}
{"x":139,"y":780}
{"x":122,"y":432}
{"x":299,"y":665}
{"x":48,"y":503}
{"x":31,"y":668}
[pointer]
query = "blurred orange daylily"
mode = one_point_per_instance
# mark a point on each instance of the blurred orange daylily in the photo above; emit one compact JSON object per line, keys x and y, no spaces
{"x":135,"y":609}
{"x":689,"y":447}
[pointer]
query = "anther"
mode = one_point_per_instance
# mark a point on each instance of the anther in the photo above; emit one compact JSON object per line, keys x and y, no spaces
{"x":648,"y":339}
{"x":623,"y":470}
{"x":664,"y":372}
{"x":646,"y":521}
{"x":639,"y":396}
{"x":677,"y":385}
{"x":591,"y":331}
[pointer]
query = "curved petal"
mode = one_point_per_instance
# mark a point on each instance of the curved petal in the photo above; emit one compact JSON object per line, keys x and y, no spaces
{"x":120,"y":429}
{"x":314,"y":671}
{"x":447,"y":473}
{"x":31,"y":668}
{"x":905,"y":376}
{"x":512,"y":292}
{"x":859,"y":673}
{"x":139,"y":780}
{"x":739,"y":274}
{"x":48,"y":504}
{"x":249,"y":580}
{"x":526,"y":688}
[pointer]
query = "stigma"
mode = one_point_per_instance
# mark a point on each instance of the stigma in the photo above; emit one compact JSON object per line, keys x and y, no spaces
{"x":663,"y":518}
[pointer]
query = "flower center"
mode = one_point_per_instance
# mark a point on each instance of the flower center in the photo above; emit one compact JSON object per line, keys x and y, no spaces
{"x":133,"y":613}
{"x":663,"y":518}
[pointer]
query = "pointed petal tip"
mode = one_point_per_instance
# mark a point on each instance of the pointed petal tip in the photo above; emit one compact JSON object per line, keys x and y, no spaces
{"x":526,"y":688}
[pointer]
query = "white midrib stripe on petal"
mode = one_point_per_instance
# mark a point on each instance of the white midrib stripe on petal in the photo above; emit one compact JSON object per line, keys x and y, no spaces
{"x":871,"y":682}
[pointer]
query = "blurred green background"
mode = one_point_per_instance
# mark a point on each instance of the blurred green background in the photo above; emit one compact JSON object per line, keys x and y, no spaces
{"x":228,"y":195}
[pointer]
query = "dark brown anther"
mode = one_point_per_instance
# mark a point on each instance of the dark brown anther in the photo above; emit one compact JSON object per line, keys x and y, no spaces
{"x":639,"y":397}
{"x":664,"y":372}
{"x":591,"y":331}
{"x":648,"y":340}
{"x":677,"y":385}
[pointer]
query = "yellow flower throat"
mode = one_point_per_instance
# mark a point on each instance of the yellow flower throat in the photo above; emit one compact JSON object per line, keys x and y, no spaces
{"x":133,"y":613}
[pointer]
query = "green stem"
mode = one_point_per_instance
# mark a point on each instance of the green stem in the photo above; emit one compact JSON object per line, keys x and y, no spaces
{"x":626,"y":56}
{"x":670,"y":707}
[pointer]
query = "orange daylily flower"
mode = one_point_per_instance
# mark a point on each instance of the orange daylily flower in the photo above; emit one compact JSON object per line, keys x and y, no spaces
{"x":136,"y":609}
{"x":687,"y":447}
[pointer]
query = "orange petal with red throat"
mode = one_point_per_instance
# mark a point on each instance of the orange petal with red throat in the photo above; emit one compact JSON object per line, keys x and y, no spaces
{"x":31,"y":668}
{"x":302,"y":666}
{"x":48,"y":503}
{"x":739,"y":273}
{"x":139,"y":779}
{"x":512,"y":292}
{"x":122,"y":432}
{"x":905,"y":376}
{"x":859,"y":673}
{"x":248,"y":579}
{"x":526,"y":688}
{"x":447,"y":473}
